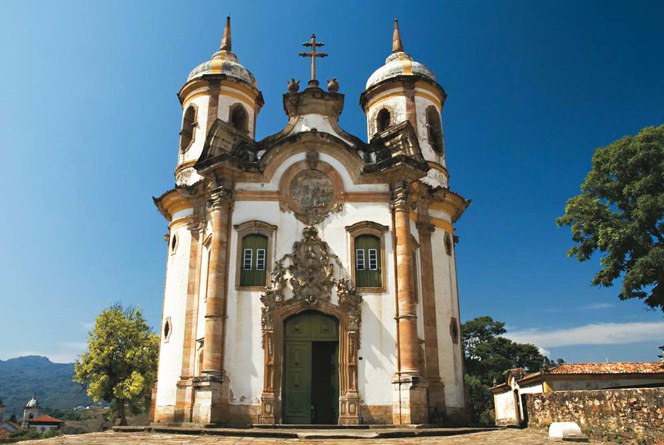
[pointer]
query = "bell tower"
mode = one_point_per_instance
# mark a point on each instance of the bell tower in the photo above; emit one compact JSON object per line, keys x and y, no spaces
{"x":406,"y":90}
{"x":220,"y":88}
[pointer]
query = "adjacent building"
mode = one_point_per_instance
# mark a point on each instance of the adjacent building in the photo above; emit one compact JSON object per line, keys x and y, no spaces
{"x":510,"y":404}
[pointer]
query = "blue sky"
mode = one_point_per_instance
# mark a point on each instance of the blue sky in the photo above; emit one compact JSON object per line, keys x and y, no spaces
{"x":89,"y":124}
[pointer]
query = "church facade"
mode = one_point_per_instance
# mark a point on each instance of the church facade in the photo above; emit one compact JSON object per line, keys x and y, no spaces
{"x":311,"y":275}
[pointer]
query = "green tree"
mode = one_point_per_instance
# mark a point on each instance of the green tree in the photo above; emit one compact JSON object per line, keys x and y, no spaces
{"x":120,"y":365}
{"x":620,"y":213}
{"x":488,"y":356}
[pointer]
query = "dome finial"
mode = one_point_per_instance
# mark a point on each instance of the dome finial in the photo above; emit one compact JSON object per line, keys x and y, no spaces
{"x":226,"y":44}
{"x":397,"y":46}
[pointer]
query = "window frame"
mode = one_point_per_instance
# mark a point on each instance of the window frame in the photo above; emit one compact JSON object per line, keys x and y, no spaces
{"x":379,"y":231}
{"x":254,"y":227}
{"x":434,"y":123}
{"x":231,"y":111}
{"x":194,"y":126}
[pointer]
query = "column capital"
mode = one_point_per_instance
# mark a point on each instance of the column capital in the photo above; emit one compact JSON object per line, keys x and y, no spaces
{"x":219,"y":199}
{"x":425,"y":227}
{"x":400,"y":195}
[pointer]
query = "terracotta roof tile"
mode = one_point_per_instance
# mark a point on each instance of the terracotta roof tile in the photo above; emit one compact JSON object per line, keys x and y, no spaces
{"x":608,"y":368}
{"x":45,"y":419}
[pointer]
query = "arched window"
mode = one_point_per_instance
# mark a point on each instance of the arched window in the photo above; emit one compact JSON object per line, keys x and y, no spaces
{"x":188,"y":126}
{"x":238,"y":117}
{"x":254,"y":254}
{"x":367,"y":261}
{"x":254,"y":260}
{"x":367,"y":248}
{"x":435,"y":130}
{"x":382,"y":120}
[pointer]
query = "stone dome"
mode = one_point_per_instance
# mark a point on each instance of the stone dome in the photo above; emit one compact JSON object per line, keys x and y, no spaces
{"x":32,"y":403}
{"x":227,"y":64}
{"x":399,"y":64}
{"x":224,"y":62}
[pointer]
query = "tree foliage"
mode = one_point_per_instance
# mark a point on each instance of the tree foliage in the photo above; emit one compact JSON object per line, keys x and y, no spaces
{"x":488,"y":356}
{"x":120,"y":365}
{"x":620,"y":213}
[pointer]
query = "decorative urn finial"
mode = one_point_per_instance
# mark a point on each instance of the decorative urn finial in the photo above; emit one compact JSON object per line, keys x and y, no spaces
{"x":293,"y":85}
{"x":333,"y":85}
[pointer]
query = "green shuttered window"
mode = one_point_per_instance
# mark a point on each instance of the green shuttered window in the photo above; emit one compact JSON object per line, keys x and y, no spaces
{"x":367,"y":261}
{"x":254,"y":248}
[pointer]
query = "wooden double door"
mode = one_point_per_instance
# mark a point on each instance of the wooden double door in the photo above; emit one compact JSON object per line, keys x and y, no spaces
{"x":311,"y":369}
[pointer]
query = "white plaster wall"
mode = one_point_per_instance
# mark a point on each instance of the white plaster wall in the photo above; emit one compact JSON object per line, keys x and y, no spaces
{"x":244,"y":359}
{"x":226,"y":102}
{"x":196,"y":148}
{"x":318,"y":122}
{"x":43,"y":428}
{"x":449,"y":353}
{"x":421,"y":105}
{"x":349,"y":186}
{"x":396,"y":107}
{"x":533,"y":389}
{"x":170,"y":354}
{"x":505,"y":406}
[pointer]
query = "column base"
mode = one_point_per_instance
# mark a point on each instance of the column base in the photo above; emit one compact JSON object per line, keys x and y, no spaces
{"x":210,"y":399}
{"x":268,"y":405}
{"x":349,"y":409}
{"x":410,"y":401}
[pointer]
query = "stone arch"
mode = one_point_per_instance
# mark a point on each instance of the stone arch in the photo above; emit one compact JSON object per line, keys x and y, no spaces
{"x":238,"y":117}
{"x":188,"y":131}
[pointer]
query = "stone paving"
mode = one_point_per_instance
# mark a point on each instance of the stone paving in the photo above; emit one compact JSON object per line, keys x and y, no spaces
{"x":498,"y":437}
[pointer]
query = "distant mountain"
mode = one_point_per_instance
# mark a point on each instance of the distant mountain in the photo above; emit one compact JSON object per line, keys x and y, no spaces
{"x":22,"y":377}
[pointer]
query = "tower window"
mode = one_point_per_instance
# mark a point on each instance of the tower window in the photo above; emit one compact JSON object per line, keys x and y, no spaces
{"x":382,"y":120}
{"x":448,"y":244}
{"x":434,"y":130}
{"x":238,"y":117}
{"x":367,"y":261}
{"x":188,"y":126}
{"x":254,"y":248}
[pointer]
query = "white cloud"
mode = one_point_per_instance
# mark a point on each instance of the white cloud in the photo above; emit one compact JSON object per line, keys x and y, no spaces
{"x":598,"y":306}
{"x":590,"y":334}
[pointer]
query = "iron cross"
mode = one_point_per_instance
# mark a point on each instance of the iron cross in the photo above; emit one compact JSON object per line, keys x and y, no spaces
{"x":313,"y":54}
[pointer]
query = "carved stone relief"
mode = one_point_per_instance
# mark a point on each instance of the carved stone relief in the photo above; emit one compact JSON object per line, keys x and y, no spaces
{"x":311,"y":190}
{"x":308,"y":273}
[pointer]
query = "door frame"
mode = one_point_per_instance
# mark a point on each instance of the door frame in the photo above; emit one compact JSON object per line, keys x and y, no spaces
{"x":273,"y":359}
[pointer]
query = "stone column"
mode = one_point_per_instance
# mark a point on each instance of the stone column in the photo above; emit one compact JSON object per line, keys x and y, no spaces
{"x":209,"y":392}
{"x":410,"y":389}
{"x":432,"y":367}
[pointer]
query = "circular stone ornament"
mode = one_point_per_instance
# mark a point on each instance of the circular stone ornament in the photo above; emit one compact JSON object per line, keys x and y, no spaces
{"x":311,"y":192}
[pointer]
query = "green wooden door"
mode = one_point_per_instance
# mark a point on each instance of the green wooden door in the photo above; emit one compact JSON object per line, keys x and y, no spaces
{"x":298,"y":383}
{"x":304,"y":333}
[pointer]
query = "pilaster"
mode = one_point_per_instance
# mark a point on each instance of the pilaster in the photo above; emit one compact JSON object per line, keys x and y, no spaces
{"x":409,"y":388}
{"x":209,"y":386}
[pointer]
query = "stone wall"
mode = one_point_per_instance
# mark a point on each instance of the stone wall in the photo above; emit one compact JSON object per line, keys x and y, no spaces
{"x":636,"y":414}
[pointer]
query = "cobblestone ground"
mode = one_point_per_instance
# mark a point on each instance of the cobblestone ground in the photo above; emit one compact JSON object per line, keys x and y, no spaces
{"x":500,"y":437}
